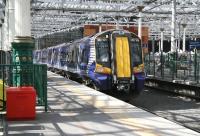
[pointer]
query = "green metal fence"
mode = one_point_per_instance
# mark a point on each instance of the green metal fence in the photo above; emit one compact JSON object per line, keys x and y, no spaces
{"x":175,"y":67}
{"x":25,"y":75}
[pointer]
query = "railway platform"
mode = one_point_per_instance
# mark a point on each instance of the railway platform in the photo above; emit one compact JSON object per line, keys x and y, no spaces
{"x":76,"y":110}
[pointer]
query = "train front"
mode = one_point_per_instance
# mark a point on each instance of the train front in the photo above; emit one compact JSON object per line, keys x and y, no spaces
{"x":119,"y":62}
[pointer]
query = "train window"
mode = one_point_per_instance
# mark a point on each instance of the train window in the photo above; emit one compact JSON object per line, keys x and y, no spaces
{"x":73,"y":58}
{"x":77,"y":52}
{"x":49,"y":55}
{"x":102,"y":51}
{"x":55,"y":58}
{"x":84,"y":56}
{"x":44,"y":56}
{"x":136,"y":53}
{"x":69,"y":56}
{"x":63,"y":56}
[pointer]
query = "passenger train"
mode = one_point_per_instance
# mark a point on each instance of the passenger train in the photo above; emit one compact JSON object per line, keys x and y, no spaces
{"x":109,"y":60}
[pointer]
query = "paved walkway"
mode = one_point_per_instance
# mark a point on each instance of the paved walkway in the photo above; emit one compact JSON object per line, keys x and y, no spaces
{"x":76,"y":110}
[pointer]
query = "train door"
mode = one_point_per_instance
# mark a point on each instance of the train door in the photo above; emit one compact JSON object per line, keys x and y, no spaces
{"x":121,"y":56}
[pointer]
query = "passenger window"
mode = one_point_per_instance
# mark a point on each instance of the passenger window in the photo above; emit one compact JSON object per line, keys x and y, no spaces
{"x":102,"y":51}
{"x":136,"y":52}
{"x":63,"y":56}
{"x":49,"y":55}
{"x":55,"y":56}
{"x":84,"y":56}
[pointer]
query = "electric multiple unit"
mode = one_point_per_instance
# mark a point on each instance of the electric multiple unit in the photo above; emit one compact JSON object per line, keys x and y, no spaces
{"x":110,"y":61}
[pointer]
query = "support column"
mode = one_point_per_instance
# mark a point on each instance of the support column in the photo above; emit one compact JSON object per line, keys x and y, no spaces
{"x":3,"y":35}
{"x":23,"y":43}
{"x":162,"y":38}
{"x":1,"y":38}
{"x":5,"y":29}
{"x":100,"y":27}
{"x":22,"y":18}
{"x":117,"y":25}
{"x":153,"y":45}
{"x":140,"y":8}
{"x":173,"y":26}
{"x":159,"y":47}
{"x":184,"y":30}
{"x":11,"y":22}
{"x":179,"y":36}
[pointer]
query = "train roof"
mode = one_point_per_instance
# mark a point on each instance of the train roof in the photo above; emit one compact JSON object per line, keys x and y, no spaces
{"x":111,"y":30}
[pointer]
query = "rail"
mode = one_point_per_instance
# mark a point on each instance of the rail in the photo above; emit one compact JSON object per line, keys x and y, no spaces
{"x":24,"y":75}
{"x":174,"y":67}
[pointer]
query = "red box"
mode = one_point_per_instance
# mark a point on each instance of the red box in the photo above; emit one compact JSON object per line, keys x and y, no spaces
{"x":20,"y":103}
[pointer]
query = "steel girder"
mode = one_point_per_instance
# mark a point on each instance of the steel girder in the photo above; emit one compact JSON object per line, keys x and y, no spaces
{"x":50,"y":16}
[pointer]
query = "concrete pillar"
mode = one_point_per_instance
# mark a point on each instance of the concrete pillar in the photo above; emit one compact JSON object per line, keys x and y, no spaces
{"x":3,"y":36}
{"x":184,"y":30}
{"x":173,"y":26}
{"x":100,"y":27}
{"x":179,"y":36}
{"x":140,"y":8}
{"x":153,"y":45}
{"x":5,"y":29}
{"x":11,"y":22}
{"x":159,"y":47}
{"x":22,"y":45}
{"x":117,"y":25}
{"x":162,"y":38}
{"x":1,"y":45}
{"x":140,"y":25}
{"x":22,"y":18}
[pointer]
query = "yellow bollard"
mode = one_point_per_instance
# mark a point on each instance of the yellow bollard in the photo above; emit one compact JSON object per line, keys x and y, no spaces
{"x":1,"y":91}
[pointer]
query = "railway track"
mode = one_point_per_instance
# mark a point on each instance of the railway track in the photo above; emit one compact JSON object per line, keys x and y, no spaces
{"x":180,"y":109}
{"x":176,"y":86}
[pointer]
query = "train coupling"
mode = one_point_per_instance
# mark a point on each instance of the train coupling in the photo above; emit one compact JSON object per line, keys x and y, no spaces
{"x":124,"y":87}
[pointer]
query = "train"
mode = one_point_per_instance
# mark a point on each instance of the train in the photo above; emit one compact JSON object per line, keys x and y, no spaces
{"x":111,"y":60}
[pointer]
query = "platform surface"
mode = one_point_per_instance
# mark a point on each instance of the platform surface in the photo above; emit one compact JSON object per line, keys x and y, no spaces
{"x":76,"y":110}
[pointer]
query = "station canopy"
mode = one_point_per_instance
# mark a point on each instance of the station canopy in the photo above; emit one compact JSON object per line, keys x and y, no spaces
{"x":49,"y":16}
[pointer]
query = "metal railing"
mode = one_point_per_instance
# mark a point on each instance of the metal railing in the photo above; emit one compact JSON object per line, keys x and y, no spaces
{"x":24,"y":75}
{"x":174,"y":67}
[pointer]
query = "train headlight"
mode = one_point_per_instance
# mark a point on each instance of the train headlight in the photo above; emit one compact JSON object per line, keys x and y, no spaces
{"x":138,"y":69}
{"x":133,"y":78}
{"x":101,"y":69}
